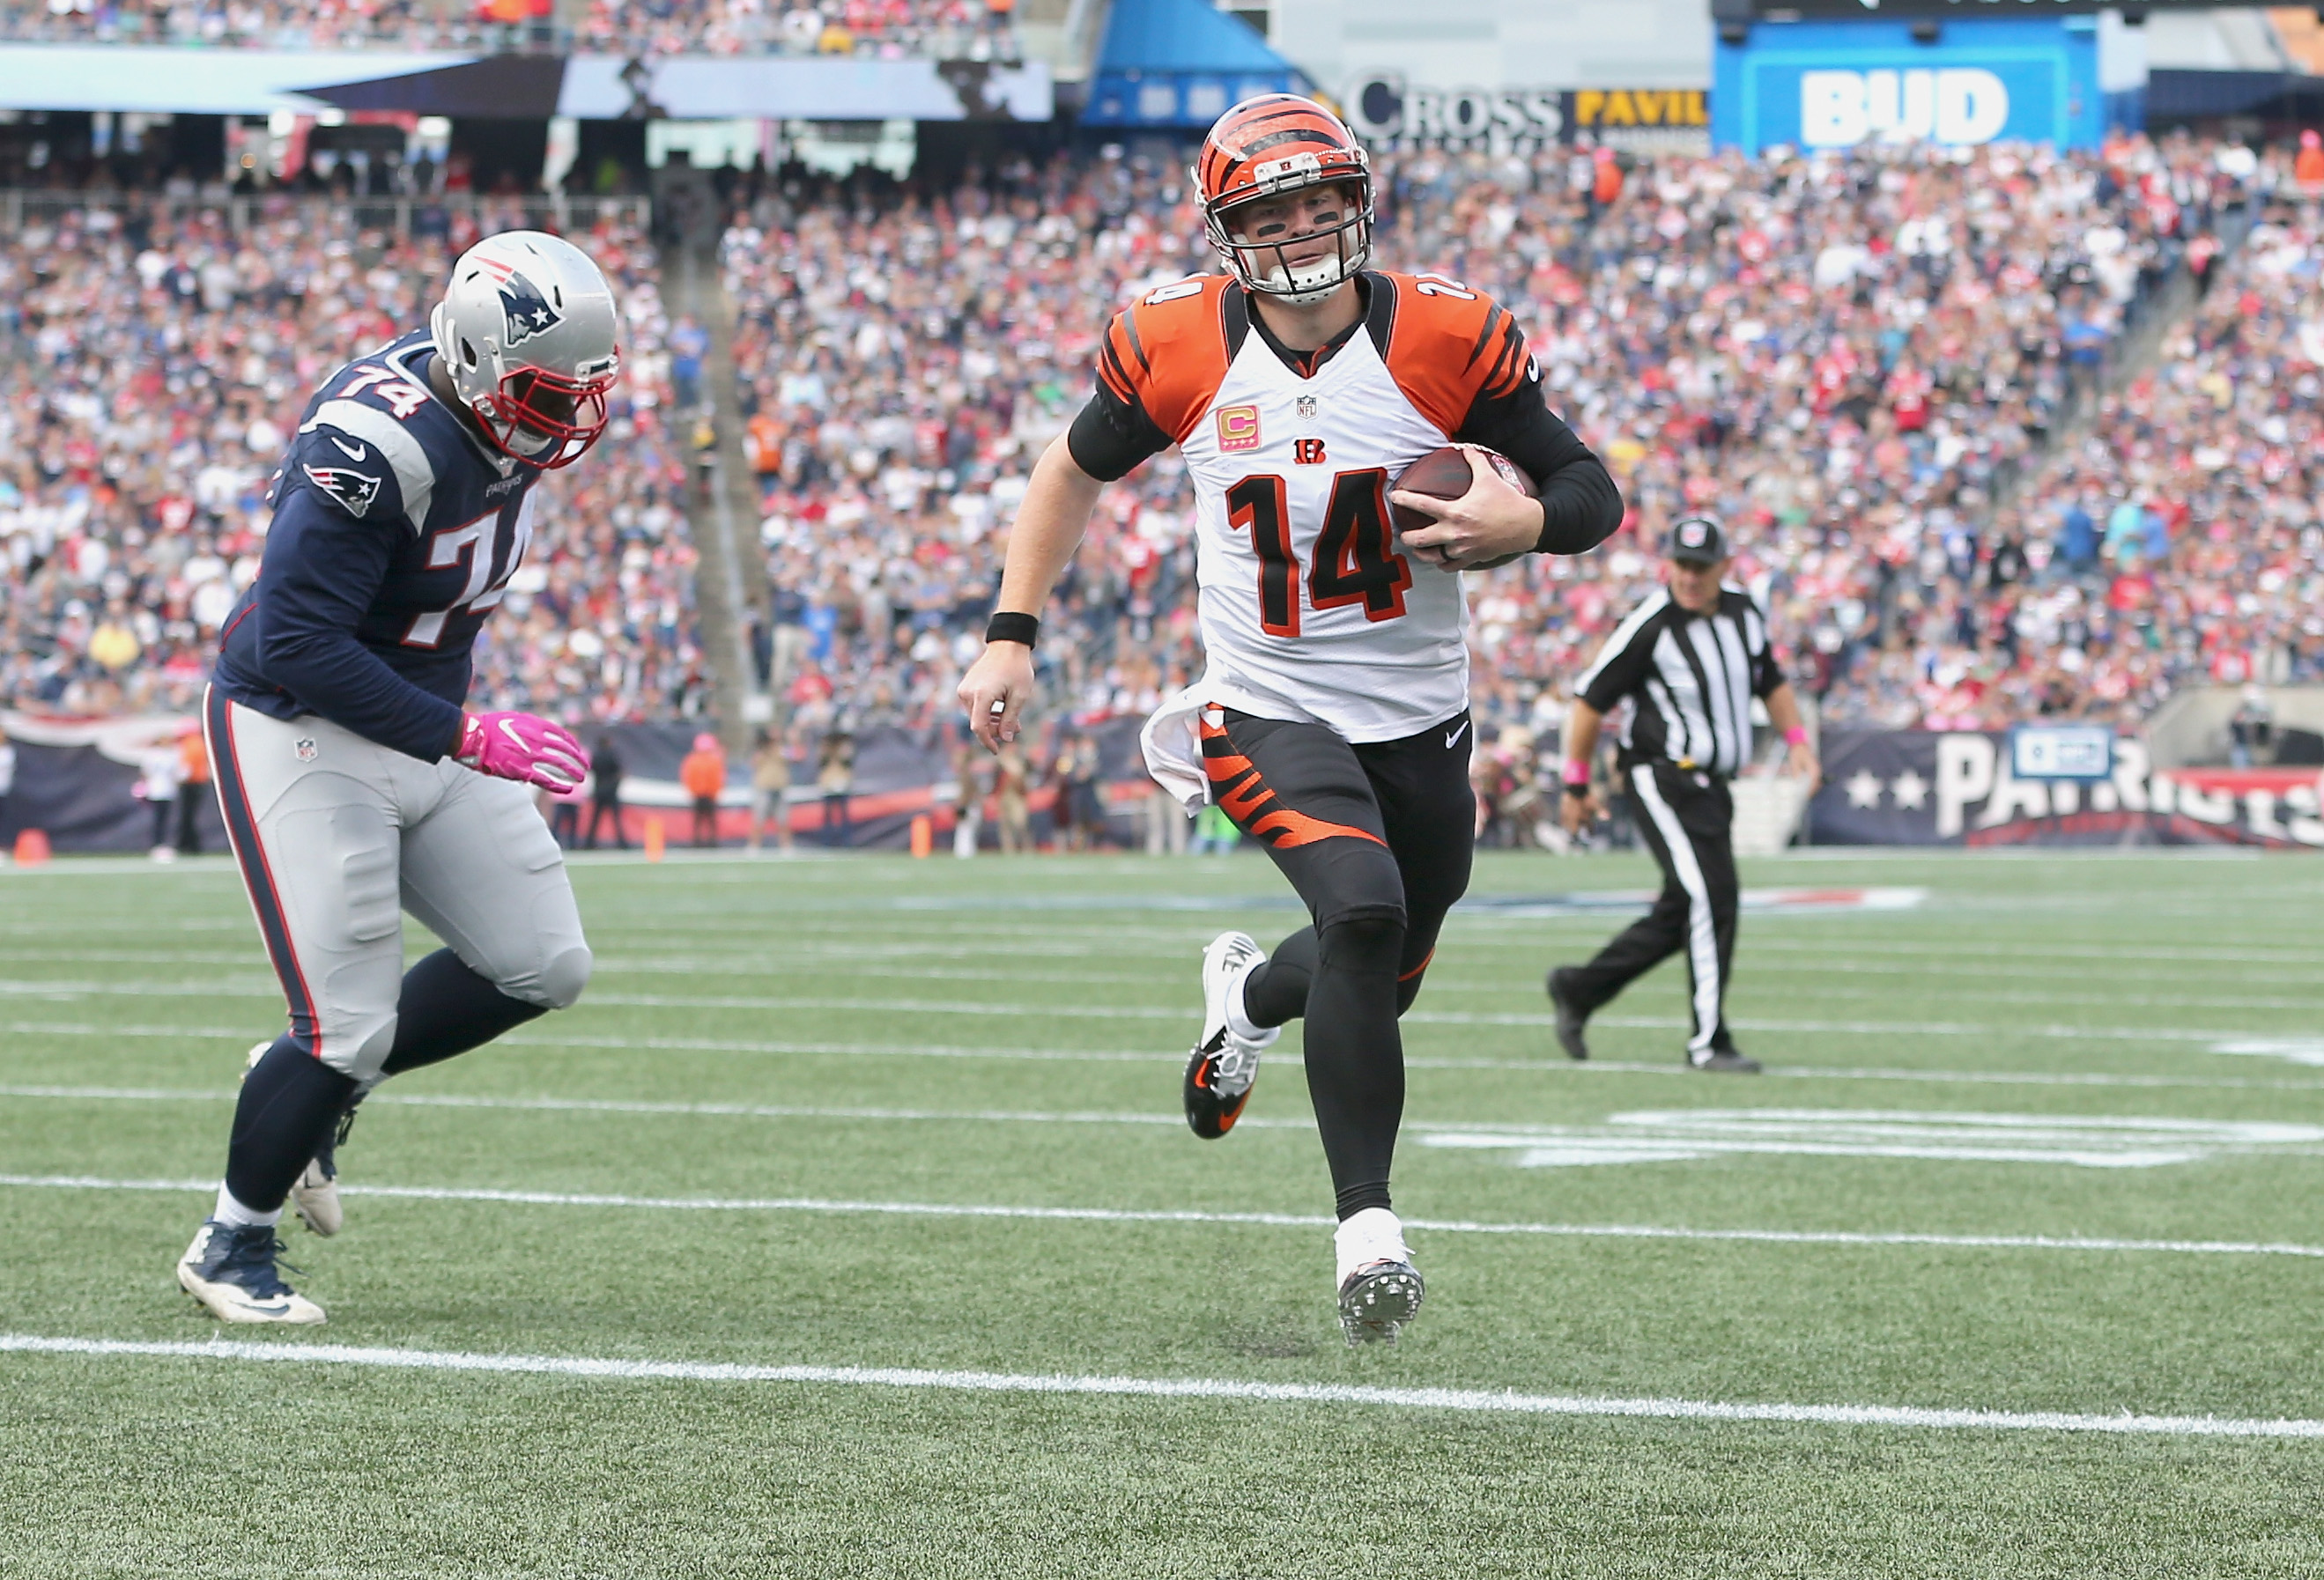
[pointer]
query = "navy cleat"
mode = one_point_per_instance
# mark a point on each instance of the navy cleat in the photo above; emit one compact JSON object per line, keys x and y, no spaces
{"x":1223,"y":1066}
{"x":230,"y":1269}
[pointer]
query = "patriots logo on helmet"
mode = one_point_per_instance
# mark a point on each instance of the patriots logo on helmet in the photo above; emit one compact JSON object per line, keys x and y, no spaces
{"x":528,"y":311}
{"x":355,"y":490}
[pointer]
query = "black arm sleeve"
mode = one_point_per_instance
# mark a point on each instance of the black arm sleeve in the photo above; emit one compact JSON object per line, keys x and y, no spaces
{"x":1580,"y":505}
{"x":1112,"y":438}
{"x":321,"y":570}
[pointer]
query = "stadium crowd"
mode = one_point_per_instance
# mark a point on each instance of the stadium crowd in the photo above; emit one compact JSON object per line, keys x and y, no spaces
{"x":1850,"y":360}
{"x":1858,"y":362}
{"x":2180,"y":533}
{"x":948,"y":29}
{"x":151,"y":366}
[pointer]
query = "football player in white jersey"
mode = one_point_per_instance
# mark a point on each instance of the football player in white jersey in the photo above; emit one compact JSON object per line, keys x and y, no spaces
{"x":1332,"y":723}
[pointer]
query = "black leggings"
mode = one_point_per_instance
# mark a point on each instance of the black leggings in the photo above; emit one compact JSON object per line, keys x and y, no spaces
{"x":1377,"y":839}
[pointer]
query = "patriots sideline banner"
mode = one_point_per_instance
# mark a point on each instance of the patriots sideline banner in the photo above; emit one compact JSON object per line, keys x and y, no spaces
{"x":75,"y":780}
{"x":1924,"y":788}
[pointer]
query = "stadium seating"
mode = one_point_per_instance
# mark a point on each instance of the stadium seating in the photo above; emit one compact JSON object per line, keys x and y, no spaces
{"x":1848,"y":359}
{"x":946,"y":29}
{"x":2184,"y":543}
{"x":153,"y":362}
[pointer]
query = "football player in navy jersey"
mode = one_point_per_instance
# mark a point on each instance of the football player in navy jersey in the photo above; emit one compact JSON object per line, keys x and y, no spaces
{"x":354,"y":781}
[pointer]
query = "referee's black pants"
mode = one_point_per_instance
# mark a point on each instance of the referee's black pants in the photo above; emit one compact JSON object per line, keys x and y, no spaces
{"x":1687,"y":819}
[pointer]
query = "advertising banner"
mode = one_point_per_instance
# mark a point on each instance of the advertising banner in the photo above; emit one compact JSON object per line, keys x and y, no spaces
{"x":1387,"y":110}
{"x":1923,"y":787}
{"x":1817,"y":84}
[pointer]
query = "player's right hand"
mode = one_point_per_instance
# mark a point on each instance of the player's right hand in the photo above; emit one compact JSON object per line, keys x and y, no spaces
{"x":995,"y":691}
{"x":524,"y":746}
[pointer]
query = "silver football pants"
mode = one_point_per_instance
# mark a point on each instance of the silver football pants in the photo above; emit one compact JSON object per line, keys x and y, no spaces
{"x":337,"y":834}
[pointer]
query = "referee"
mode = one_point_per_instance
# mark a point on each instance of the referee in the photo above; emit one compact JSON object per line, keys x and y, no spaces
{"x":1688,"y":661}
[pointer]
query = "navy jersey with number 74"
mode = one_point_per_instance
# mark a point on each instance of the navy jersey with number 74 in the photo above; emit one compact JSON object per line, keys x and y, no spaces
{"x":395,"y":531}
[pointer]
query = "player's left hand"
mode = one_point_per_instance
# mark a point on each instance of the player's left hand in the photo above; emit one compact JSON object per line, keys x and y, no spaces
{"x":524,"y":746}
{"x":1494,"y":520}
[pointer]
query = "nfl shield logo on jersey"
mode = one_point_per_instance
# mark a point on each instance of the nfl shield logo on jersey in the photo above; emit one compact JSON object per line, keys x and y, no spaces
{"x":355,"y":490}
{"x":1307,"y":407}
{"x":305,"y":749}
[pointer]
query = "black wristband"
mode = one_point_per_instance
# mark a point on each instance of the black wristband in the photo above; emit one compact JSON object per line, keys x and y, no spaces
{"x":1007,"y":626}
{"x":1571,"y":789}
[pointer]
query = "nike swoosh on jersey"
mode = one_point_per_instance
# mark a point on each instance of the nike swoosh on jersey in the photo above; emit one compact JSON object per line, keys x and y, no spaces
{"x":1453,"y":736}
{"x":352,"y":452}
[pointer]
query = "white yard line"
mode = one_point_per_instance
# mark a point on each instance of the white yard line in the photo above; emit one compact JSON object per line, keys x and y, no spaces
{"x":1108,"y":1215}
{"x":64,"y":990}
{"x":1507,"y":1401}
{"x":907,"y":964}
{"x":244,"y":1035}
{"x":629,"y":1105}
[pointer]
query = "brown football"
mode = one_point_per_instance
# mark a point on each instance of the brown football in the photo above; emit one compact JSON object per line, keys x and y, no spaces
{"x":1444,"y":474}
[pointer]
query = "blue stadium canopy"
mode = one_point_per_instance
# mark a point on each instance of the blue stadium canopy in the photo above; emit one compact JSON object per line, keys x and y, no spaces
{"x":1180,"y":63}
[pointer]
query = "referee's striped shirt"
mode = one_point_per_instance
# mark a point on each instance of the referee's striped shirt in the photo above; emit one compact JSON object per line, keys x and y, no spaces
{"x":1691,"y":679}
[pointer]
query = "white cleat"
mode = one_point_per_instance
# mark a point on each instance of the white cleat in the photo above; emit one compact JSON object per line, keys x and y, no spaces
{"x":315,"y":1198}
{"x":1380,"y":1289}
{"x":1224,"y":1063}
{"x":231,"y":1270}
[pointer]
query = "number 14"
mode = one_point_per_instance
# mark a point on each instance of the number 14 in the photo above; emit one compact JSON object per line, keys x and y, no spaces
{"x":1355,"y":563}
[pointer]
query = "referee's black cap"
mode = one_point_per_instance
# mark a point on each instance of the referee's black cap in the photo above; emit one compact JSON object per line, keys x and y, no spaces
{"x":1697,"y":540}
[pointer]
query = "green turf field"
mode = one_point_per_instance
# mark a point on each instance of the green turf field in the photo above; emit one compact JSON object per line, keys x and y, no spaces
{"x":2048,"y":1144}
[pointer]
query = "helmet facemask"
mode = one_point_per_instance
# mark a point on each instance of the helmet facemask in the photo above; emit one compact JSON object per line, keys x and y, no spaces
{"x":1260,"y":257}
{"x":544,"y":417}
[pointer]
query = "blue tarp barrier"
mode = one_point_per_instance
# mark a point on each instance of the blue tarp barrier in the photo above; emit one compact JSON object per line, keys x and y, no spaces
{"x":1180,"y":63}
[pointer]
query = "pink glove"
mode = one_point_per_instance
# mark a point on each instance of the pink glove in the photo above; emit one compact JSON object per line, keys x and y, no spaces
{"x":521,"y":746}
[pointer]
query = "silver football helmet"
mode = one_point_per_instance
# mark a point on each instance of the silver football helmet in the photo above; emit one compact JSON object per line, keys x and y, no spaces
{"x":526,"y":330}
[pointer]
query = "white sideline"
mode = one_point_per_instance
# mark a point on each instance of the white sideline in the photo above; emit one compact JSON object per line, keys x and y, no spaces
{"x":1478,"y":1401}
{"x":1113,"y":1215}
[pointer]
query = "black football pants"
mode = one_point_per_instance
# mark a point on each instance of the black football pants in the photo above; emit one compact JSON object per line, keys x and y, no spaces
{"x":1377,"y":839}
{"x":1686,"y":819}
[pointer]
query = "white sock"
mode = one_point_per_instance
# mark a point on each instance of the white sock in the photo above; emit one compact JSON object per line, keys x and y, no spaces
{"x":1373,"y":1234}
{"x":230,"y":1211}
{"x":1238,"y":1019}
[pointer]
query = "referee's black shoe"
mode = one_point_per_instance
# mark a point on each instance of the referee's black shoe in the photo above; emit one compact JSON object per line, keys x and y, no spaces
{"x":1726,"y":1059}
{"x":1571,"y":1016}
